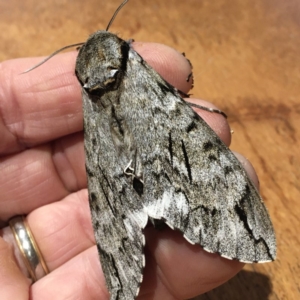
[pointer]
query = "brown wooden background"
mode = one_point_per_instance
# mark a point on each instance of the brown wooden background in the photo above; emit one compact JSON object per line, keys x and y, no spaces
{"x":246,"y":58}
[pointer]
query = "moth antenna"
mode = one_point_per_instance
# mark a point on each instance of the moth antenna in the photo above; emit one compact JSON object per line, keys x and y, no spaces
{"x":115,"y":14}
{"x":51,"y":55}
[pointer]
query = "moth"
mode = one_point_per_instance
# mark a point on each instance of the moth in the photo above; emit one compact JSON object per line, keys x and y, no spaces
{"x":150,"y":157}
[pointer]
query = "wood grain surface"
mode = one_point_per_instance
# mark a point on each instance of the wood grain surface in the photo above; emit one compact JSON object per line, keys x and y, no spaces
{"x":246,"y":58}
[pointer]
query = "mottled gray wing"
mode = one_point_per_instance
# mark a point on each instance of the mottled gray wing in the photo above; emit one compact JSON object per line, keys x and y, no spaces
{"x":117,"y":214}
{"x":192,"y":181}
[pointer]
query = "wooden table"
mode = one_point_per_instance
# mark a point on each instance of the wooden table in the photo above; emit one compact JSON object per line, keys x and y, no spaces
{"x":246,"y":58}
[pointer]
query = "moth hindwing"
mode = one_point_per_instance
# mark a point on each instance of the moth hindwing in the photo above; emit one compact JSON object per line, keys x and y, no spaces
{"x":150,"y":156}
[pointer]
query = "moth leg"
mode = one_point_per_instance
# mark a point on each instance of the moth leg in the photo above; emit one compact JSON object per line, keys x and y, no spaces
{"x":189,"y":77}
{"x":138,"y":169}
{"x":183,"y":54}
{"x":128,"y":167}
{"x":212,"y":110}
{"x":129,"y":171}
{"x":137,"y":182}
{"x":183,"y":95}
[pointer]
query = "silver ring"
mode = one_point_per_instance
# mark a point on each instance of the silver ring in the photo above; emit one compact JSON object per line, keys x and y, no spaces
{"x":31,"y":253}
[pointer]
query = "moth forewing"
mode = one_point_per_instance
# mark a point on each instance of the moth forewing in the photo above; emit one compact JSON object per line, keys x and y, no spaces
{"x":137,"y":129}
{"x":150,"y":156}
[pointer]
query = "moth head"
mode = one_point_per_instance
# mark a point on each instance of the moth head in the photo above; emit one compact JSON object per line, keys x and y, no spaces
{"x":101,"y":62}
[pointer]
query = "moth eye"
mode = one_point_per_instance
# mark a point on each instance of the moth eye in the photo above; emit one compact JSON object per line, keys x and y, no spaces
{"x":113,"y":72}
{"x":86,"y":83}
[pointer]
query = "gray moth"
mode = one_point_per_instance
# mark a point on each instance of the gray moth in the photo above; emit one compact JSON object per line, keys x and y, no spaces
{"x":150,"y":157}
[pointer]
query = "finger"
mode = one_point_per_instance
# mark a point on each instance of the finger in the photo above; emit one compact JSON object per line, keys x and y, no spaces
{"x":38,"y":106}
{"x":80,"y":278}
{"x":45,"y":104}
{"x":64,"y":234}
{"x":41,"y":175}
{"x":46,"y":174}
{"x":63,"y":229}
{"x":14,"y":285}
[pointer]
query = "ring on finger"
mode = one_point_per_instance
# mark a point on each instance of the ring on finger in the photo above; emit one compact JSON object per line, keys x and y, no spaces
{"x":28,"y":247}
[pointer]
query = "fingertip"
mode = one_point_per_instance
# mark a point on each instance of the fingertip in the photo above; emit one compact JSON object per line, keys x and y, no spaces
{"x":168,"y":62}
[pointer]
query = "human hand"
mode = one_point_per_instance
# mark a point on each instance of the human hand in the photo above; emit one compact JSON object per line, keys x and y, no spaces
{"x":42,"y":175}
